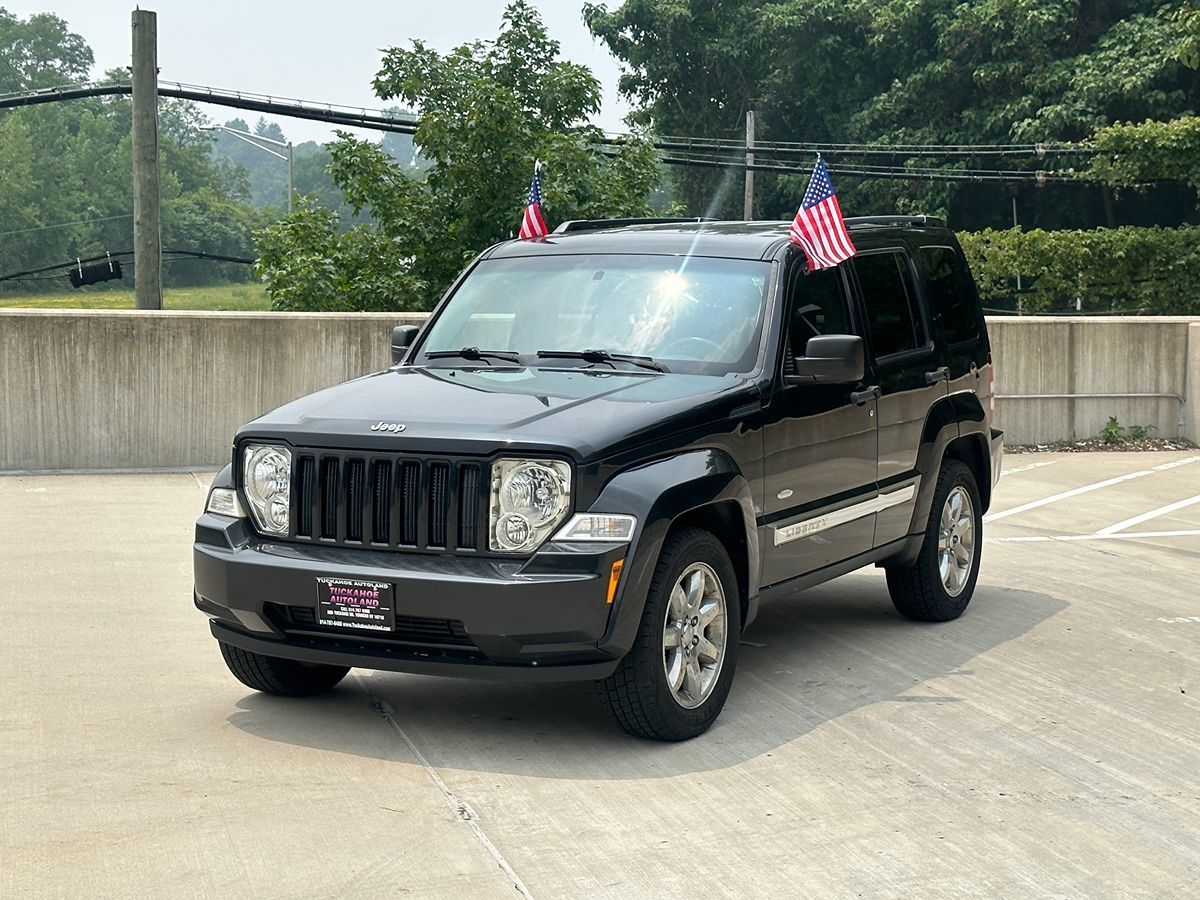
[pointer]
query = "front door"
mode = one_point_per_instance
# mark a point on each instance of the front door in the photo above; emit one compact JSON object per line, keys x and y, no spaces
{"x":907,"y":371}
{"x":820,"y":444}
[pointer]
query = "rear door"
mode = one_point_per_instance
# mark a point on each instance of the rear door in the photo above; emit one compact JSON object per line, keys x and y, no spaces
{"x":955,"y":308}
{"x":904,"y":366}
{"x":819,"y":443}
{"x":954,"y":303}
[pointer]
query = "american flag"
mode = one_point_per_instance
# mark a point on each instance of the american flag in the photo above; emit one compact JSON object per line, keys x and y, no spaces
{"x":532,"y":223}
{"x":818,"y":226}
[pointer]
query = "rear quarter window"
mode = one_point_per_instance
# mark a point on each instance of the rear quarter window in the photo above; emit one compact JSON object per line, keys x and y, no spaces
{"x":949,"y":288}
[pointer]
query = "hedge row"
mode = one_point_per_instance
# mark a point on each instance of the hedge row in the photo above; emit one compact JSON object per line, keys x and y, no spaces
{"x":1148,"y":270}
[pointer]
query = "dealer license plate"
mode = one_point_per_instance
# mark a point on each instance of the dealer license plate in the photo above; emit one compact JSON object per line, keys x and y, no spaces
{"x":349,"y":603}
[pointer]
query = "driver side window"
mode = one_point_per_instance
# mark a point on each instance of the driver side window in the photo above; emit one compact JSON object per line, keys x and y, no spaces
{"x":817,"y":304}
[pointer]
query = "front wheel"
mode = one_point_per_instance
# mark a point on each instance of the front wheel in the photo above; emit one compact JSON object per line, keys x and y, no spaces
{"x":938,"y":586}
{"x":282,"y":677}
{"x":672,"y":684}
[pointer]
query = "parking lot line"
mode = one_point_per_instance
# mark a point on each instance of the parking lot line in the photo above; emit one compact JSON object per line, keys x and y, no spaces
{"x":1176,"y":463}
{"x":1147,"y":516}
{"x":1099,"y":536}
{"x":1028,"y":466}
{"x":1054,"y":498}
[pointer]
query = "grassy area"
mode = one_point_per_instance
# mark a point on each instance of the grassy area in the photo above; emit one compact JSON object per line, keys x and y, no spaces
{"x":238,"y":297}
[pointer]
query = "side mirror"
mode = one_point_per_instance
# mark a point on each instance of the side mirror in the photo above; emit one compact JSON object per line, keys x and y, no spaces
{"x":402,"y":338}
{"x":829,"y":359}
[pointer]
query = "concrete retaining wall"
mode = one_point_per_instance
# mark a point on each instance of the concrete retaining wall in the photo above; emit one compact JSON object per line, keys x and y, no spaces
{"x":98,"y":389}
{"x":1110,"y":355}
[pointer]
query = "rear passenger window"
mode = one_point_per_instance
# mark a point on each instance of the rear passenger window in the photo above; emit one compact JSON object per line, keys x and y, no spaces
{"x":950,"y":295}
{"x":888,"y":295}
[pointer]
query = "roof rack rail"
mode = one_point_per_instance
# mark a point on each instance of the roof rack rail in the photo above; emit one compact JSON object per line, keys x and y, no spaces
{"x":896,"y":220}
{"x":598,"y":224}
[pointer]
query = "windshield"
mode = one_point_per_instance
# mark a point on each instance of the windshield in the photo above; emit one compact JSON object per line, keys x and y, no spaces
{"x":698,"y":315}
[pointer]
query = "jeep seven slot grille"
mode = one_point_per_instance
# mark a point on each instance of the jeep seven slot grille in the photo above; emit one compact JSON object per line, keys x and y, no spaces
{"x":387,"y":501}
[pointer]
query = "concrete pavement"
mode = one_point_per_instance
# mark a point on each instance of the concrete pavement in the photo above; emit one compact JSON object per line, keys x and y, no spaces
{"x":1044,"y":744}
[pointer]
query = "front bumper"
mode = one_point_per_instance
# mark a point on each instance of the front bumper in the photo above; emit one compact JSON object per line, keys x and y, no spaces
{"x":539,"y":619}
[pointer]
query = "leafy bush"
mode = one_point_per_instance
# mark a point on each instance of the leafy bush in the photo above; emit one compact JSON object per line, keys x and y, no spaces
{"x":1114,"y":432}
{"x":1149,"y":270}
{"x":308,"y":264}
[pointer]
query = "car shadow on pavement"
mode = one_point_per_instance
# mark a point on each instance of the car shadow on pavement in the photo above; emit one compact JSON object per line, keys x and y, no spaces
{"x":806,"y":660}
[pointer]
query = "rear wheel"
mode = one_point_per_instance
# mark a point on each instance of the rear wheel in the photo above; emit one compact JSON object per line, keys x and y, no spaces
{"x":282,"y":677}
{"x":938,"y":586}
{"x":674,"y":681}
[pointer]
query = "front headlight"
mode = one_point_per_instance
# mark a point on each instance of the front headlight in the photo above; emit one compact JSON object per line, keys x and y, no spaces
{"x":530,"y":498}
{"x":268,"y":486}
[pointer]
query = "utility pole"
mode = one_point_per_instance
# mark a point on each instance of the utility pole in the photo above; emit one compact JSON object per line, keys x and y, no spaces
{"x":1016,"y":227}
{"x":147,"y":220}
{"x":748,"y":207}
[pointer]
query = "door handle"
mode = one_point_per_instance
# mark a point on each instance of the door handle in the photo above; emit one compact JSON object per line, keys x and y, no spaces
{"x":939,"y":374}
{"x":858,"y":398}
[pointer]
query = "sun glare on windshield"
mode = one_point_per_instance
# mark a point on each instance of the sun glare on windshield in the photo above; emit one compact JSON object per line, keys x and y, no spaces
{"x":697,"y":315}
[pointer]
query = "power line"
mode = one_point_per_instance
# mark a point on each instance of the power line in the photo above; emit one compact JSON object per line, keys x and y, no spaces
{"x":67,"y":224}
{"x":364,"y":117}
{"x":361,"y":117}
{"x":871,"y":171}
{"x":1039,"y":150}
{"x":40,"y":273}
{"x":334,"y":114}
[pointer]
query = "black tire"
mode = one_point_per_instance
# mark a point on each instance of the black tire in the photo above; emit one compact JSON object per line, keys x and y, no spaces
{"x":282,"y":677}
{"x":638,"y":695}
{"x":918,"y":590}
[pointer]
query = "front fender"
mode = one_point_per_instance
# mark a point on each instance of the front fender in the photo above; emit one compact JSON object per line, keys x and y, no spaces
{"x":658,"y":493}
{"x":224,"y":478}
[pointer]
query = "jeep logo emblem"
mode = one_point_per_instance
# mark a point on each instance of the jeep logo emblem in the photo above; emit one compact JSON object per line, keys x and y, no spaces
{"x":390,"y":427}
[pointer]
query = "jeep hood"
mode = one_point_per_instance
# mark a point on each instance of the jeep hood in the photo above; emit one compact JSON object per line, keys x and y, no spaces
{"x":587,"y":413}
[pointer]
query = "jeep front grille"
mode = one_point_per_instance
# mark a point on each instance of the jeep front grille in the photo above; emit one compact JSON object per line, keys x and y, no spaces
{"x":387,"y":501}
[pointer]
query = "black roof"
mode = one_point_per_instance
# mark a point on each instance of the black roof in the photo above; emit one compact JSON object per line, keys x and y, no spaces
{"x":729,"y":240}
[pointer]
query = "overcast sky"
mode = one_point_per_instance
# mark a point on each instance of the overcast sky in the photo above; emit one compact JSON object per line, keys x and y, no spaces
{"x":310,"y":50}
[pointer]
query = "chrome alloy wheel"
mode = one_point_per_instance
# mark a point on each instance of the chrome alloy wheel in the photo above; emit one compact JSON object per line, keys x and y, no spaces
{"x":694,"y":635}
{"x":956,"y":541}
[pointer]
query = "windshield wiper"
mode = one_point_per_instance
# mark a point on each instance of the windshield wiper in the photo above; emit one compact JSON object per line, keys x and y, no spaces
{"x":603,"y":356}
{"x":474,"y":353}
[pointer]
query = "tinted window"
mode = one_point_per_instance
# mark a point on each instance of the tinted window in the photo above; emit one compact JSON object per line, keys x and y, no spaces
{"x":817,"y":306}
{"x":949,"y":288}
{"x":891,"y":305}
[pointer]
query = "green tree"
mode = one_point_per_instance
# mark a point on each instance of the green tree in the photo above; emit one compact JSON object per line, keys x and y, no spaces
{"x":1129,"y":155}
{"x":40,"y":52}
{"x":488,"y":110}
{"x":909,"y":71}
{"x":66,"y":190}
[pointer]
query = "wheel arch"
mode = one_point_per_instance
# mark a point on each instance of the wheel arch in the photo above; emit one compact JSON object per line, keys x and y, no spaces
{"x":955,"y":428}
{"x":723,"y":520}
{"x":703,"y":487}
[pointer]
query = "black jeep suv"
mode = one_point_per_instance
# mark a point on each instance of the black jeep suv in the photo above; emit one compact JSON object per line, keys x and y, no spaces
{"x":602,"y":452}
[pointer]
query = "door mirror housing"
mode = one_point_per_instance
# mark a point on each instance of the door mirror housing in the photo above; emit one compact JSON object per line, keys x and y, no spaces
{"x":829,"y":359}
{"x":402,"y":338}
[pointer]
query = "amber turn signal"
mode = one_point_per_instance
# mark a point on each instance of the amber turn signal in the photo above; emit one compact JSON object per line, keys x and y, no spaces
{"x":613,"y":578}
